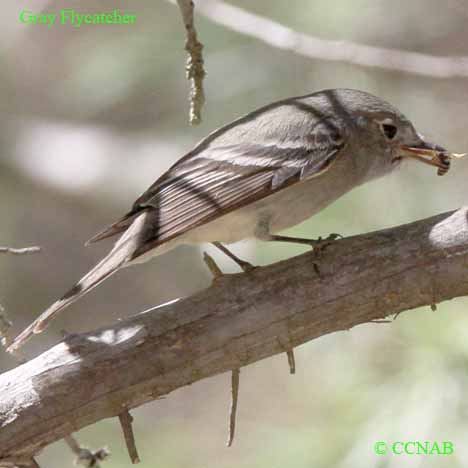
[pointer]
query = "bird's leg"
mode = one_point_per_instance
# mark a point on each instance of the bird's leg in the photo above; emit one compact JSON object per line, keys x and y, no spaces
{"x":317,"y":244}
{"x":245,"y":266}
{"x":263,"y":232}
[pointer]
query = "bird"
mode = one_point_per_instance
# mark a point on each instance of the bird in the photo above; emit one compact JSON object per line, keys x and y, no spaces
{"x":256,"y":176}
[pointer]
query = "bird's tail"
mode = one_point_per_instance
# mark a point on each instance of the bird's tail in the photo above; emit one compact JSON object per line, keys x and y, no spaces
{"x":120,"y":255}
{"x":99,"y":273}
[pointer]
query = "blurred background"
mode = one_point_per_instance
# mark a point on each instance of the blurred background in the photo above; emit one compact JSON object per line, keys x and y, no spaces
{"x":90,"y":117}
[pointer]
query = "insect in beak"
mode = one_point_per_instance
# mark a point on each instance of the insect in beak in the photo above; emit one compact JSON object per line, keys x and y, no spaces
{"x":430,"y":154}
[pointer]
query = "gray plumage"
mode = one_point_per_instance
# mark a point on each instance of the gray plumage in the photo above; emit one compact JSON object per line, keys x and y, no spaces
{"x":258,"y":175}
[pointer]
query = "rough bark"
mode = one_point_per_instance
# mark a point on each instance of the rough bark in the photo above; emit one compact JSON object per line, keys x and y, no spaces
{"x":240,"y":319}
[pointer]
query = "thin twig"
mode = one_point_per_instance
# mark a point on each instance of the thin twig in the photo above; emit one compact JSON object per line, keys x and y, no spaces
{"x":234,"y":398}
{"x":126,"y":420}
{"x":194,"y":68}
{"x":5,"y":326}
{"x":5,"y":334}
{"x":23,"y":251}
{"x":217,"y":273}
{"x":279,"y":36}
{"x":212,"y":266}
{"x":73,"y":444}
{"x":291,"y":361}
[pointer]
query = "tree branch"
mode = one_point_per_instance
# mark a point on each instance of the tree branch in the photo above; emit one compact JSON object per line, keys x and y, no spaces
{"x":240,"y":319}
{"x":282,"y":37}
{"x":23,"y":251}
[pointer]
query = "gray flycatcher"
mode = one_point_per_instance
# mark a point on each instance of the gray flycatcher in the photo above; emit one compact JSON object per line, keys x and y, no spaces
{"x":262,"y":173}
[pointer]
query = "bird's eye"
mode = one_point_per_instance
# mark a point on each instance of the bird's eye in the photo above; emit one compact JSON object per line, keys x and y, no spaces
{"x":389,"y":130}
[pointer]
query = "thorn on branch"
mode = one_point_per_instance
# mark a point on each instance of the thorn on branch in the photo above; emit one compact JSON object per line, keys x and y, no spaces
{"x":397,"y":315}
{"x":291,"y":361}
{"x":126,"y":420}
{"x":84,"y":456}
{"x":195,"y":71}
{"x":290,"y":356}
{"x":73,"y":444}
{"x":5,"y":325}
{"x":5,"y":336}
{"x":212,"y":266}
{"x":234,"y":398}
{"x":24,"y":251}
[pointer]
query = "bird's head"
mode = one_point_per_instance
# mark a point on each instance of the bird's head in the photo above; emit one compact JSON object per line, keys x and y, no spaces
{"x":398,"y":141}
{"x":389,"y":137}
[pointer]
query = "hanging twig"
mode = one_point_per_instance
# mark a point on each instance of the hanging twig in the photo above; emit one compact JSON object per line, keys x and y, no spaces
{"x":234,"y":398}
{"x":291,"y":361}
{"x":126,"y":420}
{"x":194,"y":68}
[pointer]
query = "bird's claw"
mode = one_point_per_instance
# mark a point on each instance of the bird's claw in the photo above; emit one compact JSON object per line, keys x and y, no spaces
{"x":217,"y":273}
{"x":320,"y":244}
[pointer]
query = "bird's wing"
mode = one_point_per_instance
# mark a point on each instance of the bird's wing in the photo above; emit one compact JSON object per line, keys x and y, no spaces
{"x":235,"y":166}
{"x":219,"y":179}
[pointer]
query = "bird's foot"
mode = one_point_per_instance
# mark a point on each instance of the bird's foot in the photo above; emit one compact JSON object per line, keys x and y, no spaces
{"x":320,"y":244}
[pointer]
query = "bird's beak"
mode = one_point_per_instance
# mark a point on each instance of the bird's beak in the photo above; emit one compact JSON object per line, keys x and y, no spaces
{"x":428,"y":153}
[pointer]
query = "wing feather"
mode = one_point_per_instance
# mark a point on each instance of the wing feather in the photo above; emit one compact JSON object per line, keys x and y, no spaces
{"x":219,"y":176}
